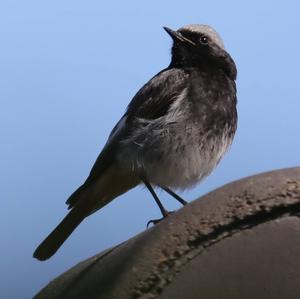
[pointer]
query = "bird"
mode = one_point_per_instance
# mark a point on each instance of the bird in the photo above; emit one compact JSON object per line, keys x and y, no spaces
{"x":172,"y":135}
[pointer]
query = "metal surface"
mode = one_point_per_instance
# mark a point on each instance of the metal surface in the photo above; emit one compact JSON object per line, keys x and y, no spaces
{"x":239,"y":241}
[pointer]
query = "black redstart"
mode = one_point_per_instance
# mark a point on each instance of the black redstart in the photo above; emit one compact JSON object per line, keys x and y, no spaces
{"x":174,"y":132}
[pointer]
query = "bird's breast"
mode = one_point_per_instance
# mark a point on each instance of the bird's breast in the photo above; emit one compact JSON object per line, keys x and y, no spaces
{"x":181,"y":148}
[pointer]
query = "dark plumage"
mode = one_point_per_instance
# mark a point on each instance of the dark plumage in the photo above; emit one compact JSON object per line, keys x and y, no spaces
{"x":173,"y":134}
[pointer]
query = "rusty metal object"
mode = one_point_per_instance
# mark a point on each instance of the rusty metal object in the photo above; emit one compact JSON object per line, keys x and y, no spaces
{"x":239,"y":241}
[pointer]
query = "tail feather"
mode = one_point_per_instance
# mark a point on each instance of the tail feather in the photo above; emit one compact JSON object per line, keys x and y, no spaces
{"x":76,"y":196}
{"x":84,"y":201}
{"x":58,"y":236}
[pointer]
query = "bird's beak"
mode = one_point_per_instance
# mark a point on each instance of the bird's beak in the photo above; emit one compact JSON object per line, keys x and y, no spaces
{"x":177,"y":36}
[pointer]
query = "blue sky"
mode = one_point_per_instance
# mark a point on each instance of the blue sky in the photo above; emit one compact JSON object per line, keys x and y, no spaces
{"x":68,"y":70}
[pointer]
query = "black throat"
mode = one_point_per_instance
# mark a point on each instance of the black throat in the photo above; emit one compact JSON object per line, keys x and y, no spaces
{"x":186,"y":60}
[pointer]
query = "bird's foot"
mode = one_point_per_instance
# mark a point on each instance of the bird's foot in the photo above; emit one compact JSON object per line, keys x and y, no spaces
{"x":155,"y":221}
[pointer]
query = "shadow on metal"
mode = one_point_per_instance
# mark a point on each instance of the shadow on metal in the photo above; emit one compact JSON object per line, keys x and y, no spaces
{"x":239,"y":241}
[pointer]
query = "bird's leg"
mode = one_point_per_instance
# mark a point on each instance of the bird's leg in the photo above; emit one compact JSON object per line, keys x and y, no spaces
{"x":173,"y":194}
{"x":164,"y":212}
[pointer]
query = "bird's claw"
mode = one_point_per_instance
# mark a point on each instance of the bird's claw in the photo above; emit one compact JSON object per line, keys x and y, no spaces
{"x":155,"y":221}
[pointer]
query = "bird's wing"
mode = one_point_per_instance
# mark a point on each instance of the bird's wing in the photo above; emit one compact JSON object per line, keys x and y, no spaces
{"x":103,"y":161}
{"x":151,"y":101}
{"x":155,"y":97}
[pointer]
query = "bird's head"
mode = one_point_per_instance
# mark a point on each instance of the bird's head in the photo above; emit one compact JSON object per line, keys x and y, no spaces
{"x":200,"y":46}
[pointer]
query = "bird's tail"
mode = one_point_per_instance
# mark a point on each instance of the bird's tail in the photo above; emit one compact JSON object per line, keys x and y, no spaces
{"x":57,"y":237}
{"x":85,"y":201}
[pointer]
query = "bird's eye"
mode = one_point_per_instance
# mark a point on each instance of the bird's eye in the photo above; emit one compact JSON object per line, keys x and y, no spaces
{"x":203,"y":40}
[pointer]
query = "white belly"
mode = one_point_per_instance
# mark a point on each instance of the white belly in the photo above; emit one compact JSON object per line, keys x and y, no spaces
{"x":175,"y":160}
{"x":185,"y":169}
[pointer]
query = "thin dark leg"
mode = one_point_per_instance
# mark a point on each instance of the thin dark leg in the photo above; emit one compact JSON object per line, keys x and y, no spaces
{"x":161,"y":207}
{"x":172,"y":193}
